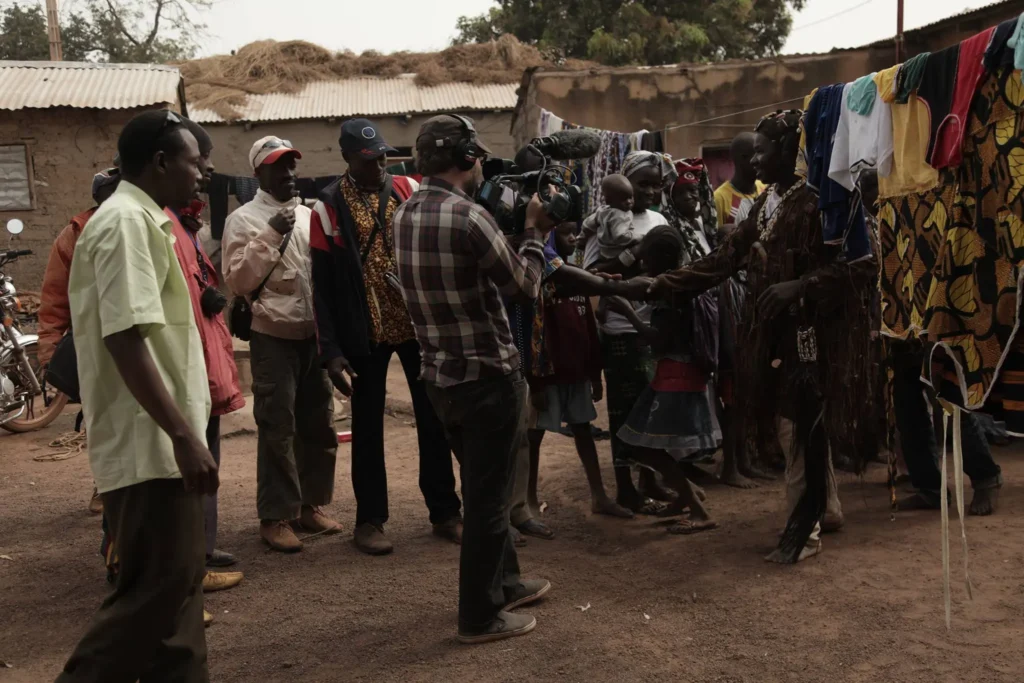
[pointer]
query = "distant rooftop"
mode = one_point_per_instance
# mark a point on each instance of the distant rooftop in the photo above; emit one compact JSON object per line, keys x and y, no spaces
{"x":41,"y":85}
{"x":368,"y":96}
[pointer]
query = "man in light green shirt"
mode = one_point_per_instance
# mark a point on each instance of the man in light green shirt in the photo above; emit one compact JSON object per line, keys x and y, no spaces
{"x":146,"y":403}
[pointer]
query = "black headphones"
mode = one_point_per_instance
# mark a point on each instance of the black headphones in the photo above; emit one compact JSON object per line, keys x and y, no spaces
{"x":465,"y":151}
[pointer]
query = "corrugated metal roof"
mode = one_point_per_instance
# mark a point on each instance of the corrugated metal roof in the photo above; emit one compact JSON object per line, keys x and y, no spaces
{"x":370,"y":97}
{"x":41,"y":85}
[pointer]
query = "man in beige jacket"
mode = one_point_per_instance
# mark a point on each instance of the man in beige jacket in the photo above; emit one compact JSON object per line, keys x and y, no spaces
{"x":268,"y":239}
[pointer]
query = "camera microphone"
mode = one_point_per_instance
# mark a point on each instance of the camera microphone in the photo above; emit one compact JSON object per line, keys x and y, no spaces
{"x":563,"y":145}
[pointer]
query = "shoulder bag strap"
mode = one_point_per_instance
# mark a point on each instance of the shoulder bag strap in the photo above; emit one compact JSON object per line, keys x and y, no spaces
{"x":380,"y":218}
{"x":284,"y":245}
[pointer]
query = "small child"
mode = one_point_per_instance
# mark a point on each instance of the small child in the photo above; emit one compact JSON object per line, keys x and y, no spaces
{"x":568,"y":396}
{"x":671,"y":421}
{"x":612,"y":224}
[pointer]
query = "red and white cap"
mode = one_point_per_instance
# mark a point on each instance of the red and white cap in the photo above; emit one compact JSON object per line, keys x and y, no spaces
{"x":269,"y":149}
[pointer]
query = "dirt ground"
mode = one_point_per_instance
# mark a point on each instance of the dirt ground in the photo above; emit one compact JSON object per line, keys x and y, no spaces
{"x":629,"y":603}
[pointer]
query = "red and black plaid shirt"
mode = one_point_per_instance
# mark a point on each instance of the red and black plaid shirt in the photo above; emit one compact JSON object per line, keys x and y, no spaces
{"x":454,"y":265}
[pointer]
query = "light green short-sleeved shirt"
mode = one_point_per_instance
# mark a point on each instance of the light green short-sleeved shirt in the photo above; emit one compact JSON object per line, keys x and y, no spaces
{"x":124,"y":274}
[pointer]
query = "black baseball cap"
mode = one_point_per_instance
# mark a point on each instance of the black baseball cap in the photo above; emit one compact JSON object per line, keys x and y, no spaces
{"x":445,"y":130}
{"x":362,"y":137}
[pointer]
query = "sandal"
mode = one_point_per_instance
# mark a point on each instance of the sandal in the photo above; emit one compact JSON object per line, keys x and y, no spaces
{"x":532,"y":527}
{"x":687,"y":527}
{"x":651,"y":507}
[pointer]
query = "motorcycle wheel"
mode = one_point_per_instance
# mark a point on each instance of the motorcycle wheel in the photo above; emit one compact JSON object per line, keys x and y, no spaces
{"x":43,"y":409}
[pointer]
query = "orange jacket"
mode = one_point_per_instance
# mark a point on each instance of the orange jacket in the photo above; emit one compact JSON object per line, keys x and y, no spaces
{"x":54,"y":308}
{"x":218,"y":351}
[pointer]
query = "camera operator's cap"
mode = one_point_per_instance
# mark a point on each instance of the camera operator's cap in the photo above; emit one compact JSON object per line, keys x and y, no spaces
{"x":269,"y":149}
{"x":362,"y":137}
{"x":445,"y":131}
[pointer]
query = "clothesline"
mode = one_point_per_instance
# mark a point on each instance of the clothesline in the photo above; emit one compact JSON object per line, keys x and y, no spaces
{"x":736,"y":113}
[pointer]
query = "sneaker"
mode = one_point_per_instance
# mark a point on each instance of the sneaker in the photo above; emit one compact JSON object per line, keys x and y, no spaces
{"x":219,"y":558}
{"x":207,"y":619}
{"x":96,"y":502}
{"x":221,"y":581}
{"x":313,"y":520}
{"x":371,"y":540}
{"x":505,"y":625}
{"x":450,"y":530}
{"x":528,"y":591}
{"x":278,"y":535}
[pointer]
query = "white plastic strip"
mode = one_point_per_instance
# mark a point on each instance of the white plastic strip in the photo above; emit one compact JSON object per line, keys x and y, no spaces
{"x":958,"y":479}
{"x":944,"y":509}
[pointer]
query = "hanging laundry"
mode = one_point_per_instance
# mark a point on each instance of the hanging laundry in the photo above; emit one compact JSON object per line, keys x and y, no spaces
{"x":885,"y":81}
{"x":936,"y":89}
{"x":861,"y":141}
{"x":911,"y":131}
{"x":970,"y":69}
{"x":909,"y":77}
{"x":1016,"y":43}
{"x":998,"y":54}
{"x":842,"y":219}
{"x":863,"y":93}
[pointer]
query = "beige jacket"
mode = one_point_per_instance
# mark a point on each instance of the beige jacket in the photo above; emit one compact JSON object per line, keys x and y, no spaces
{"x":250,"y":249}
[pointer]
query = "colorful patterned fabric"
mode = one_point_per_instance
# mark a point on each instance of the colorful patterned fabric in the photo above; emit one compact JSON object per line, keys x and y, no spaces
{"x":951,"y":256}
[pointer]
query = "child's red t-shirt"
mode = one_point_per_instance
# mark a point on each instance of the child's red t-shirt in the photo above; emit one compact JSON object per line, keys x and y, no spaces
{"x":571,"y":338}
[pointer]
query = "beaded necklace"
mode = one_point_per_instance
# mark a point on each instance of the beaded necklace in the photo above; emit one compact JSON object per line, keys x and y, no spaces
{"x":765,"y":223}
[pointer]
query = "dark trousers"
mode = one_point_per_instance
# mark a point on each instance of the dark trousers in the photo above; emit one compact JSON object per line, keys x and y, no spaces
{"x":917,"y":433}
{"x":150,"y":628}
{"x":484,"y":421}
{"x":210,"y":502}
{"x":293,"y":403}
{"x":369,"y":476}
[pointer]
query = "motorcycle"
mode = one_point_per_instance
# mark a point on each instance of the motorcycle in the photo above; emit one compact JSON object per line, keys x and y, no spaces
{"x":26,"y":402}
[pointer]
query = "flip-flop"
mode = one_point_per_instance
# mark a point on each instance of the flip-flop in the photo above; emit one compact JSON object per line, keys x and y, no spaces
{"x":687,"y":527}
{"x":651,"y":507}
{"x":532,"y":527}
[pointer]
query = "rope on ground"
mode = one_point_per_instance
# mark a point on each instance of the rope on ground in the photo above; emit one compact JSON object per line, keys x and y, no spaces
{"x":68,"y":445}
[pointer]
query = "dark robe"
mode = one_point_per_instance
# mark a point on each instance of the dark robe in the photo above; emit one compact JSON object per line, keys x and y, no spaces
{"x":825,"y":399}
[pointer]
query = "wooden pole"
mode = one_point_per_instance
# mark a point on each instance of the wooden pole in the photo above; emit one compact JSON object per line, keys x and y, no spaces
{"x":900,"y":48}
{"x":53,"y":30}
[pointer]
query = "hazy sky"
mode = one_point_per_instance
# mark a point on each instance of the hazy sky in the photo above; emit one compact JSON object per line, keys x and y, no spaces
{"x":420,"y":25}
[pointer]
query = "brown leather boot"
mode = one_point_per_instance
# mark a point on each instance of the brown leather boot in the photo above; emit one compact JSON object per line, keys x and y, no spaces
{"x":278,"y":535}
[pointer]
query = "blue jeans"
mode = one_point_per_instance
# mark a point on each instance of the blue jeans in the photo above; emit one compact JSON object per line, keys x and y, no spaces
{"x":917,"y":433}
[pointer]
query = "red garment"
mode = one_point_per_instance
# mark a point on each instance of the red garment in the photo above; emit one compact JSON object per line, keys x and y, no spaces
{"x":570,"y":335}
{"x":674,"y":375}
{"x":54,"y":307}
{"x":218,"y":352}
{"x":949,"y":138}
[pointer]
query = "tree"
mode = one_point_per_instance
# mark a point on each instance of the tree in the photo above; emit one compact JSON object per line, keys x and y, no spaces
{"x":623,"y":32}
{"x":142,"y":31}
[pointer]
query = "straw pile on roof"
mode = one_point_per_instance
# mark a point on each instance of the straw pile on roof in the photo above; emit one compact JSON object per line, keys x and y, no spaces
{"x":222,"y":83}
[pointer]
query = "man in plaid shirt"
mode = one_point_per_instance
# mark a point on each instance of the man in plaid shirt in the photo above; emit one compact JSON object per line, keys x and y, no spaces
{"x":454,"y":266}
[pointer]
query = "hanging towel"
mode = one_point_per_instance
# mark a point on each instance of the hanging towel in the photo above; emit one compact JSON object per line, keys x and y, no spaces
{"x":1016,"y":43}
{"x":861,"y":99}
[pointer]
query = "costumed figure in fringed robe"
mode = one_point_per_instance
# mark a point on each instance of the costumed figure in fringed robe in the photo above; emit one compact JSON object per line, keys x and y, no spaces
{"x":805,"y":333}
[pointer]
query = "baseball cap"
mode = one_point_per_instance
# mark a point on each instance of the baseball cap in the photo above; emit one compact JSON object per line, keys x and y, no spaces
{"x":362,"y":137}
{"x":445,"y":130}
{"x":269,"y":149}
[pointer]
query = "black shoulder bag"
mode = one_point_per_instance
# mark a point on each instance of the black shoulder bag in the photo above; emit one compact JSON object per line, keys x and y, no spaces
{"x":240,"y":315}
{"x":62,"y":371}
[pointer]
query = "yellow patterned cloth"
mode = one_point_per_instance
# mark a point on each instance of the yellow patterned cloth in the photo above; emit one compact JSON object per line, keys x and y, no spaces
{"x":952,"y":255}
{"x":389,"y":318}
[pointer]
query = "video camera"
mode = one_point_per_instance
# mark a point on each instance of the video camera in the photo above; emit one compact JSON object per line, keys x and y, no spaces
{"x":510,"y":184}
